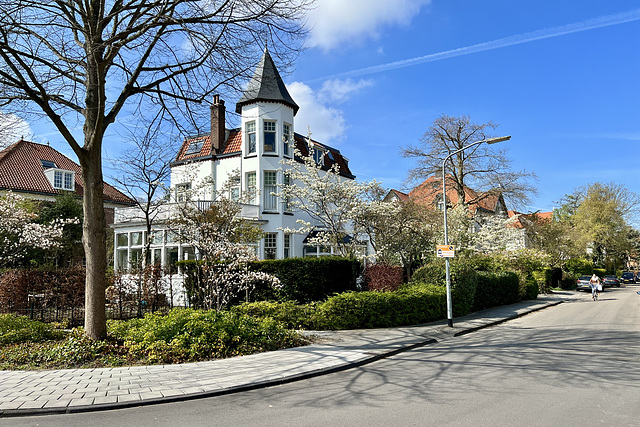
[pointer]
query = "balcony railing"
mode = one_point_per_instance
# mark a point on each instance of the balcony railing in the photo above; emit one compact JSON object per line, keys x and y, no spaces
{"x":166,"y":211}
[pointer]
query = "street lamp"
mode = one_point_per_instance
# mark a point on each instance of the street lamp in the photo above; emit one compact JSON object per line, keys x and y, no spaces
{"x":446,"y":234}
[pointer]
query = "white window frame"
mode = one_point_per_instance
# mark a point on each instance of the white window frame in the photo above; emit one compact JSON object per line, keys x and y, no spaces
{"x":269,"y":129}
{"x":286,"y":140}
{"x":270,"y":245}
{"x":270,"y":185}
{"x":251,"y":186}
{"x":251,"y":141}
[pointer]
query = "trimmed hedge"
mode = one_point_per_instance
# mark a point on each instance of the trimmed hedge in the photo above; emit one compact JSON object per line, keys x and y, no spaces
{"x":410,"y":305}
{"x":305,"y":280}
{"x":495,"y":289}
{"x":464,"y":280}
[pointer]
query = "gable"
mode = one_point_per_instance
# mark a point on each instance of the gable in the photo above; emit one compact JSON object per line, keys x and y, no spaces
{"x":23,"y":168}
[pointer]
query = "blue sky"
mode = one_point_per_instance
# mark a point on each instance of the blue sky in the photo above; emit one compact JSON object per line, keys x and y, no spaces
{"x":561,"y":77}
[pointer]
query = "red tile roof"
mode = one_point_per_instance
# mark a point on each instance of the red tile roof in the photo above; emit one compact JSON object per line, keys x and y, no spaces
{"x":233,"y":146}
{"x":542,"y":217}
{"x":429,"y":191}
{"x":21,"y":170}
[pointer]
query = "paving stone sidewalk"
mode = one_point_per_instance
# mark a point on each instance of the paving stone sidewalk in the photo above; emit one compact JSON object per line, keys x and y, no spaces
{"x":78,"y":390}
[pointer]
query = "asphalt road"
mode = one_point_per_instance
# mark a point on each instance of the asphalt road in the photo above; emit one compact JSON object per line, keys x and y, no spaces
{"x":576,"y":364}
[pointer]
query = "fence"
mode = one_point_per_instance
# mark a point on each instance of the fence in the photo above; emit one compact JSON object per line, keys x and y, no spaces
{"x":75,"y":316}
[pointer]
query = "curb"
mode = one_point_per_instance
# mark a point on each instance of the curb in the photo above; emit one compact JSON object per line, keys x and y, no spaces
{"x":11,"y":413}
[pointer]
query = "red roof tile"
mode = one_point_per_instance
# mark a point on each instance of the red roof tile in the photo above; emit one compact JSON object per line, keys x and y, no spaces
{"x":429,"y":191}
{"x":21,"y":170}
{"x":233,"y":145}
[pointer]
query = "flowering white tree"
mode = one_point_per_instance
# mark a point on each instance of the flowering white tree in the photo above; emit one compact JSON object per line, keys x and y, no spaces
{"x":340,"y":205}
{"x":498,"y":234}
{"x":19,"y":232}
{"x":224,"y":242}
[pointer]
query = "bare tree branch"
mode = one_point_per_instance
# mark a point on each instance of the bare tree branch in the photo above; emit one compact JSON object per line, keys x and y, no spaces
{"x":484,"y":169}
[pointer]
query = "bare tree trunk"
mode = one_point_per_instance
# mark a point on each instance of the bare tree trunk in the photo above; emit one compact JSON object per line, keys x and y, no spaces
{"x":95,"y":248}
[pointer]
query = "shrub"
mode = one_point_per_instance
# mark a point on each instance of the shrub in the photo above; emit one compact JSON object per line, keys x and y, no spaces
{"x":410,"y":305}
{"x":463,"y":282}
{"x":306,"y":280}
{"x":19,"y":329}
{"x":383,"y":277}
{"x":188,"y":335}
{"x":292,"y":315}
{"x":496,"y":289}
{"x":578,"y":267}
{"x":530,"y":289}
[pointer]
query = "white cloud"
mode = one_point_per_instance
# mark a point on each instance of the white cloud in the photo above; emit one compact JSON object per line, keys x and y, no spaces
{"x":335,"y":22}
{"x":326,"y":124}
{"x":545,"y":33}
{"x":339,"y":91}
{"x":12,"y":128}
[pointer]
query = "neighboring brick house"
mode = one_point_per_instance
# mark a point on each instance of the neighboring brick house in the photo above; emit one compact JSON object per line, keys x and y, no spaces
{"x":39,"y":172}
{"x":429,"y":193}
{"x":254,"y":151}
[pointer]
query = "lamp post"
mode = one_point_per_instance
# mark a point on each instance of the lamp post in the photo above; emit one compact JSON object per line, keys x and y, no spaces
{"x":446,"y":234}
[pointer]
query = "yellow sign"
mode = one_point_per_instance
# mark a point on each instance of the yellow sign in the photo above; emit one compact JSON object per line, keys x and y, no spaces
{"x":445,"y":251}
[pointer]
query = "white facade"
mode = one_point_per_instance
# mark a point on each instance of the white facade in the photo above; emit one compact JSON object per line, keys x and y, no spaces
{"x":267,"y":137}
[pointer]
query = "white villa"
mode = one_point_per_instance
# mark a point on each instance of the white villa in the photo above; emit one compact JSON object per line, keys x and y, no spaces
{"x":254,"y":150}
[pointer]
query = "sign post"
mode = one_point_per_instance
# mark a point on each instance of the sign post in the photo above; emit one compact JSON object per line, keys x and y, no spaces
{"x":445,"y":251}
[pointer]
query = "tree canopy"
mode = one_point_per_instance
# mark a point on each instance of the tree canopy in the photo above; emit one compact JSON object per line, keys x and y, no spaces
{"x":82,"y":63}
{"x":485,"y":169}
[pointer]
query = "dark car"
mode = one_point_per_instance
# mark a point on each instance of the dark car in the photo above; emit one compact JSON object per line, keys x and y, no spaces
{"x":610,"y":282}
{"x":583,"y":283}
{"x":628,"y":277}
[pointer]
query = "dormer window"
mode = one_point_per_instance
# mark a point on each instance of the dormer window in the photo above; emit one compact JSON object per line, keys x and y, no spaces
{"x":269,"y":137}
{"x":48,"y":164}
{"x":194,"y":147}
{"x":60,"y":179}
{"x":318,"y":155}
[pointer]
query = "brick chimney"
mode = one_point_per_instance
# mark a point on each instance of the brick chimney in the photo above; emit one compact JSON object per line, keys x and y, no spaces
{"x":218,"y":125}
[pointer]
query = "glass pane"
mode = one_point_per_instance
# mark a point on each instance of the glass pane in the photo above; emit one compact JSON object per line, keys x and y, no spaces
{"x":121,"y":259}
{"x":135,"y":258}
{"x":136,"y":238}
{"x":270,"y":142}
{"x":122,"y":239}
{"x":157,"y":256}
{"x":188,"y":253}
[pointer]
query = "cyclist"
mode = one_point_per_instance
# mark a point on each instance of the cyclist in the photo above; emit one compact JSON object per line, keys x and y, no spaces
{"x":595,"y":286}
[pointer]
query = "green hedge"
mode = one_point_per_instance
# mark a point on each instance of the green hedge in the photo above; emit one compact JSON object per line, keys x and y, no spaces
{"x":306,"y":280}
{"x":464,"y":281}
{"x":411,"y":304}
{"x":495,"y":289}
{"x":578,"y":267}
{"x":531,"y":289}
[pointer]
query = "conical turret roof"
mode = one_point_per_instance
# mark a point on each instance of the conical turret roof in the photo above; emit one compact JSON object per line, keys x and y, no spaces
{"x":266,"y":85}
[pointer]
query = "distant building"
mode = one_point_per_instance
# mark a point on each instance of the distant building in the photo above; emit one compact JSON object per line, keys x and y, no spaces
{"x":39,"y":172}
{"x":429,"y":194}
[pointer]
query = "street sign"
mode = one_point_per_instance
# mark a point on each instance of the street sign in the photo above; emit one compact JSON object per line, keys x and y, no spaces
{"x":445,"y":251}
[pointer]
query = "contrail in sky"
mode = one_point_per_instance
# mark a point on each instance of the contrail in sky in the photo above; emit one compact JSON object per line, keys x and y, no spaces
{"x":546,"y":33}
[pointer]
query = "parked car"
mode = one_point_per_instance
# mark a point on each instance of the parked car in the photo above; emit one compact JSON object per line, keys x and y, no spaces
{"x":610,"y":282}
{"x":628,"y":277}
{"x":583,"y":283}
